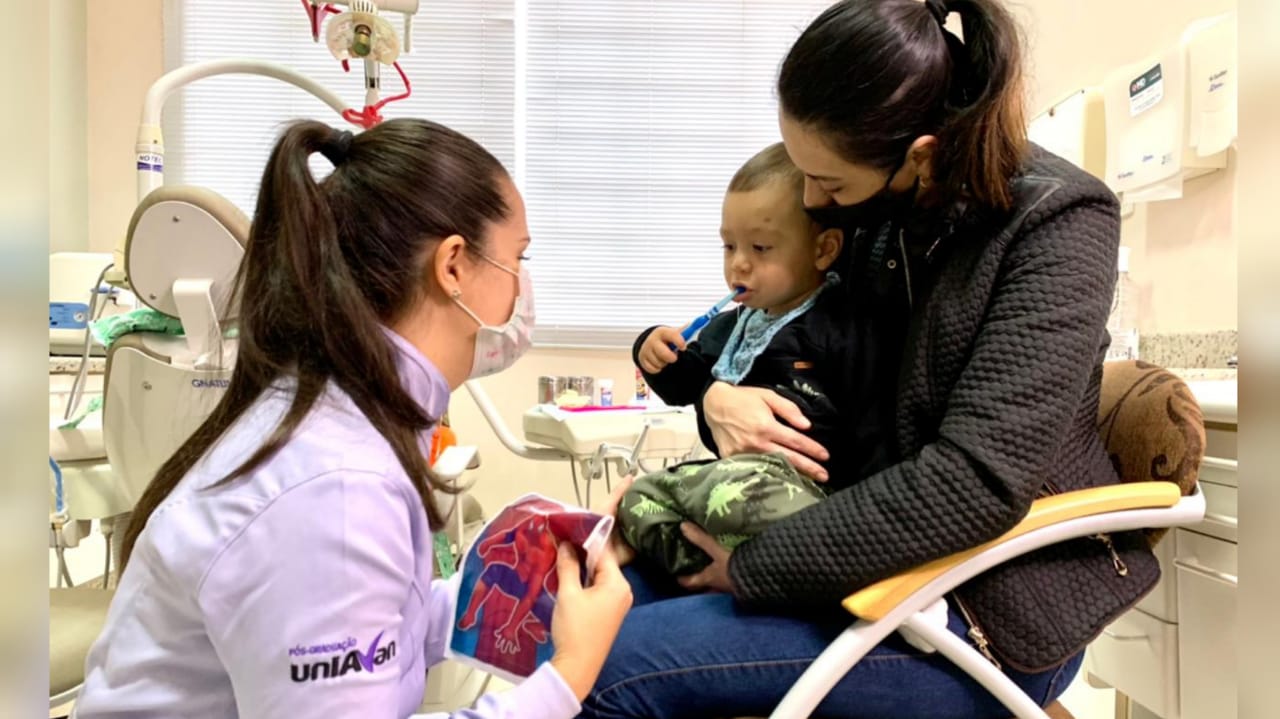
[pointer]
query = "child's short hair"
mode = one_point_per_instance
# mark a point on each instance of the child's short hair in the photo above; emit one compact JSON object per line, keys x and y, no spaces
{"x":772,"y":164}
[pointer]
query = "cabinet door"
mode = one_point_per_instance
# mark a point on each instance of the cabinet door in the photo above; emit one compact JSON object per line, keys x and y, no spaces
{"x":1138,"y":655}
{"x":1162,"y":602}
{"x":1207,"y":589}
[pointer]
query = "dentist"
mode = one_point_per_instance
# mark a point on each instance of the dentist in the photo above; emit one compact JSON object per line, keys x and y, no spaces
{"x":280,"y":563}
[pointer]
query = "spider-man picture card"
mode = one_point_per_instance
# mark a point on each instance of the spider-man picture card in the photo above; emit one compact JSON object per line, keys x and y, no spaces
{"x":507,"y":584}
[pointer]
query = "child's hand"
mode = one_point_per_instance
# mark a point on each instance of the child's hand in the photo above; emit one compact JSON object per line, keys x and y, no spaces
{"x":656,"y":352}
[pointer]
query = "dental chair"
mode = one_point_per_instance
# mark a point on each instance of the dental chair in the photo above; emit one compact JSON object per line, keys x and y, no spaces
{"x":1150,"y":422}
{"x":84,"y":487}
{"x":181,"y":253}
{"x":76,"y":613}
{"x":76,"y":617}
{"x":77,"y":296}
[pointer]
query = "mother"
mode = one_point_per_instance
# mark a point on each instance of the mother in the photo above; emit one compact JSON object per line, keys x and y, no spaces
{"x":983,"y":270}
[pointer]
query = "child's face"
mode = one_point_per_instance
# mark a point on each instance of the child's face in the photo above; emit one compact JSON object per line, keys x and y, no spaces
{"x":772,"y":248}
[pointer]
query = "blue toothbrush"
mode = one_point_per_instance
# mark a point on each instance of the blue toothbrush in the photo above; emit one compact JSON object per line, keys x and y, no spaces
{"x":702,"y":321}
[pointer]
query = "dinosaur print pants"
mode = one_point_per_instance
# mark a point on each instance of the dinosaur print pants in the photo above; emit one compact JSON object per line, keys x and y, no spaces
{"x":733,"y":499}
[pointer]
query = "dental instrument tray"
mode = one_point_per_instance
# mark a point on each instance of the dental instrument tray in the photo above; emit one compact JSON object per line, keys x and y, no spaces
{"x":672,"y":431}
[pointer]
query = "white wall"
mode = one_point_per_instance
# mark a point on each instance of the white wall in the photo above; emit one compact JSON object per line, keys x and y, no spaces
{"x":124,"y":52}
{"x":68,"y":127}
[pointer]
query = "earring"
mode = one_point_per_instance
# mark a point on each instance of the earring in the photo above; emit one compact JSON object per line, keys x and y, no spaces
{"x":457,"y":294}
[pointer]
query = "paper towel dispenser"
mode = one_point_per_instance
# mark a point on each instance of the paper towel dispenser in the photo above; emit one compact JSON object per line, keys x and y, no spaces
{"x":1171,"y":117}
{"x":1075,"y":129}
{"x":1214,"y":66}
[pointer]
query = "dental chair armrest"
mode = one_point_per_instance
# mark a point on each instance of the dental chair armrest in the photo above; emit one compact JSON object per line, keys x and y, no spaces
{"x":877,"y":600}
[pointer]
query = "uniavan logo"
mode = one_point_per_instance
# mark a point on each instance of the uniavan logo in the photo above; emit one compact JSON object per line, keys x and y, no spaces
{"x":340,"y":664}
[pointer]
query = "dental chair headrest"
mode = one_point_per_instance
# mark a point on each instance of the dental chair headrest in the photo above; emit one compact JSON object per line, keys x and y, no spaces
{"x":184,"y":232}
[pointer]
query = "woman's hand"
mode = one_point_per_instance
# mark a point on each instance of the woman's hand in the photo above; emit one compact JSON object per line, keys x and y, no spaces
{"x":586,"y":619}
{"x":745,"y":420}
{"x":715,"y":577}
{"x":622,"y":549}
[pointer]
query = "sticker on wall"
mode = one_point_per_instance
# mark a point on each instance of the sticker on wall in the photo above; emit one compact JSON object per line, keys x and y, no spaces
{"x":1146,"y":91}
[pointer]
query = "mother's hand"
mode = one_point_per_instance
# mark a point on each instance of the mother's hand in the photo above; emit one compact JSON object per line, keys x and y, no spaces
{"x":746,"y":420}
{"x":715,"y":577}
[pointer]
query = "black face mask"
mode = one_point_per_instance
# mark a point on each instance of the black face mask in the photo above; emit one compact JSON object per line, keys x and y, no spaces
{"x":872,"y":212}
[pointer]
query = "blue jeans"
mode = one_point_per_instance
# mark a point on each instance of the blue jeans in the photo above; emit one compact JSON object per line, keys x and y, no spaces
{"x":681,"y":655}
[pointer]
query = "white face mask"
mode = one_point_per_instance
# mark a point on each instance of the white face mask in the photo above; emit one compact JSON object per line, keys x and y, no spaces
{"x":497,"y":348}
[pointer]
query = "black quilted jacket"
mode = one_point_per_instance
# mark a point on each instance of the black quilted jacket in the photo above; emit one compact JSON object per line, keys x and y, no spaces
{"x":997,"y":404}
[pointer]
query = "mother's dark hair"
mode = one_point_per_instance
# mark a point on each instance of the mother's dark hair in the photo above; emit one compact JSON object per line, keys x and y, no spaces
{"x":329,"y":263}
{"x":875,"y":75}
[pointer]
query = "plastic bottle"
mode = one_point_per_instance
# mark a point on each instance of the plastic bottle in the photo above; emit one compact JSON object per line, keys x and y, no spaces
{"x":642,"y":389}
{"x":1122,"y":324}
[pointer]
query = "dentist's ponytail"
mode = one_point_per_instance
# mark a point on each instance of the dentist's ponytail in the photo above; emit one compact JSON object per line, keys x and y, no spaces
{"x":328,"y":264}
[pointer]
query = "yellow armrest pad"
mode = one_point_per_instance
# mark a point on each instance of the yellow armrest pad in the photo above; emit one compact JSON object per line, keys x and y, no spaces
{"x":874,"y":602}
